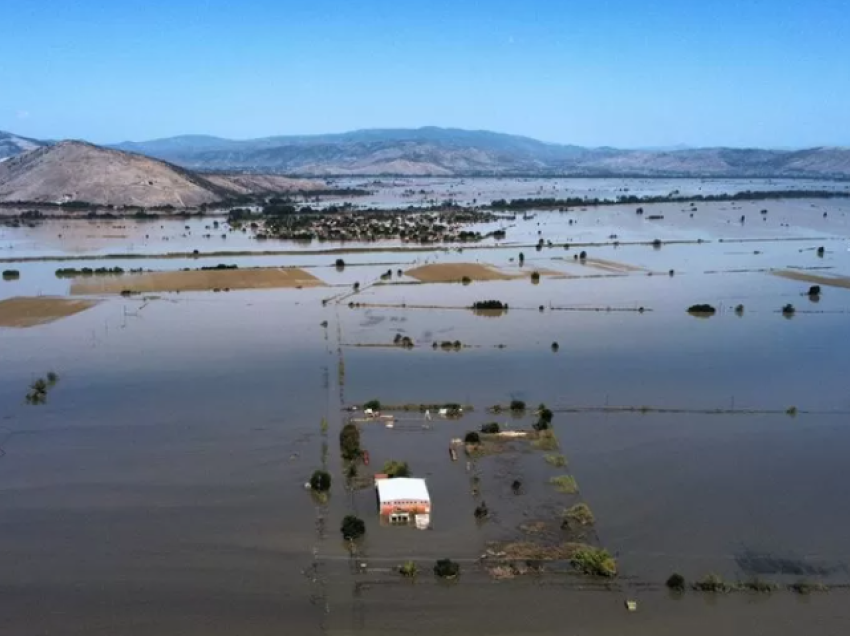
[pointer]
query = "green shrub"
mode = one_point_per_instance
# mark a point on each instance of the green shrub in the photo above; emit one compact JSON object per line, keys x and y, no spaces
{"x":559,"y":461}
{"x":320,"y":481}
{"x":756,"y":584}
{"x":814,"y":290}
{"x":11,"y":274}
{"x":517,"y":405}
{"x":805,"y":587}
{"x":395,"y":468}
{"x":546,"y":441}
{"x":472,"y":437}
{"x":711,"y":583}
{"x":352,"y":528}
{"x":491,"y":428}
{"x":408,"y":569}
{"x":594,"y":561}
{"x":788,"y":310}
{"x":446,"y":569}
{"x":375,"y":405}
{"x":579,"y":514}
{"x":565,"y":483}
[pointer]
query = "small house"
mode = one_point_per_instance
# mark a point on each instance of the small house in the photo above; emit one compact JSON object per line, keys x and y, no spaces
{"x":403,"y":500}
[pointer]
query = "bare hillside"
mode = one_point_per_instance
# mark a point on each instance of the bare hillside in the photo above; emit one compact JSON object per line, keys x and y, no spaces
{"x":262,"y":183}
{"x":78,"y":171}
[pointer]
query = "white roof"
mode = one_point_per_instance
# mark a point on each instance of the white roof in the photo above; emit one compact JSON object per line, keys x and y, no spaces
{"x":402,"y":489}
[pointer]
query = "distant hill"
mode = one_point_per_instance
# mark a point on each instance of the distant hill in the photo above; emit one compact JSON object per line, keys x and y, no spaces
{"x":79,"y":171}
{"x":432,"y":151}
{"x":13,"y":145}
{"x":450,"y":151}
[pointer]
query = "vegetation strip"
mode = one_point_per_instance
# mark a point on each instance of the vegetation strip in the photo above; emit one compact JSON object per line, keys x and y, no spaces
{"x":378,"y":249}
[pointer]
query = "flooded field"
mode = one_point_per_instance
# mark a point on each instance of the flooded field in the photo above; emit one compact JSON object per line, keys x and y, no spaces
{"x":159,"y":487}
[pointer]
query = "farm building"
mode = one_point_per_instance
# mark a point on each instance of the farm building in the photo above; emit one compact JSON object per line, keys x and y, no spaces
{"x":403,"y":499}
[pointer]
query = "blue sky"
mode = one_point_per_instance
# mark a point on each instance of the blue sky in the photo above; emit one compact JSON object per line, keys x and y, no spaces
{"x":593,"y":72}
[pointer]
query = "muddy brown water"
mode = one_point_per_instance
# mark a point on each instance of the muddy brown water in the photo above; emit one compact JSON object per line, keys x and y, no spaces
{"x":160,"y":488}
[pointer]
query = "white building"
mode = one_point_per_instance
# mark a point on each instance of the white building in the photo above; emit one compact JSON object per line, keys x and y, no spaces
{"x":403,"y":499}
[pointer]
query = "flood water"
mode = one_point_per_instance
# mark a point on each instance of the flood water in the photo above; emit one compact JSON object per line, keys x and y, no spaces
{"x":160,"y":489}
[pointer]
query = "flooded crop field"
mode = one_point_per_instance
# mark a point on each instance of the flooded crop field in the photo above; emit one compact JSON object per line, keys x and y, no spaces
{"x":157,"y":427}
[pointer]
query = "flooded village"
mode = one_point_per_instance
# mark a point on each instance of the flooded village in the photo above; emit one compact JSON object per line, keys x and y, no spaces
{"x":421,"y":407}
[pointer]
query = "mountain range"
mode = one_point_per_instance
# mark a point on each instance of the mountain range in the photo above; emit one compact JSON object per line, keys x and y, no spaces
{"x":450,"y":151}
{"x":432,"y":151}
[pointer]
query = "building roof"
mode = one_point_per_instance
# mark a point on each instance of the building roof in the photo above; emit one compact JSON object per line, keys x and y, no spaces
{"x":402,"y":489}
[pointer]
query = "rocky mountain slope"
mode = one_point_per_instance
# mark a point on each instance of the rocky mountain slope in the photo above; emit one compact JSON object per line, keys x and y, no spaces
{"x":79,"y":171}
{"x":13,"y":145}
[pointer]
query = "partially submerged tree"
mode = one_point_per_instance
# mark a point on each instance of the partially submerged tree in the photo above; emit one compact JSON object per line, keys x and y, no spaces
{"x":544,"y":419}
{"x":349,"y":442}
{"x":676,"y":582}
{"x":352,"y":528}
{"x":481,"y":511}
{"x":704,"y":309}
{"x":320,"y":481}
{"x":446,"y":569}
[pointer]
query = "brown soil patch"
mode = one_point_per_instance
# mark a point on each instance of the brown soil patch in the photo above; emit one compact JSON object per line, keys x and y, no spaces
{"x":265,"y":278}
{"x":829,"y":281}
{"x":611,"y":266}
{"x":454,"y":273}
{"x":29,"y":312}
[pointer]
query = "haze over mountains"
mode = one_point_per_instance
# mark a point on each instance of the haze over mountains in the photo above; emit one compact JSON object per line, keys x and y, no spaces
{"x":188,"y":170}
